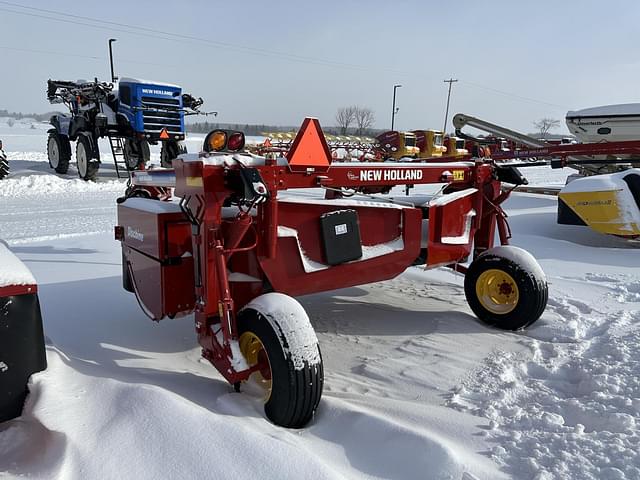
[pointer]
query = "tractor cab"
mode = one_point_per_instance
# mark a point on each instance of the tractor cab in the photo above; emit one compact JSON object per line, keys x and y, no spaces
{"x":154,"y":110}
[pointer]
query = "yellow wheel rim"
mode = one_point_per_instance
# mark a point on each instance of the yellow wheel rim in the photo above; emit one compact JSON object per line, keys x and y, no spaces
{"x":255,"y":354}
{"x":497,"y":291}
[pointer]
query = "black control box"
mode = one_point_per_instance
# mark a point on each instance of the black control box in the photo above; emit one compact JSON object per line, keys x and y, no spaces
{"x":341,"y":236}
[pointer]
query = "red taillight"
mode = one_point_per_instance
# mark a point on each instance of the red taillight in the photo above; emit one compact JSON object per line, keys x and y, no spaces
{"x":236,"y":142}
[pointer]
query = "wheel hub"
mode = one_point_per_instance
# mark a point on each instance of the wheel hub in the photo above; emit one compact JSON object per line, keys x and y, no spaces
{"x":256,"y":356}
{"x":81,"y":160}
{"x":497,"y":291}
{"x":53,"y":153}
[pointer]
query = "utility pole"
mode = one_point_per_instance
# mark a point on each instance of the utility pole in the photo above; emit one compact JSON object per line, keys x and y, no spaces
{"x":394,"y":111}
{"x":446,"y":115}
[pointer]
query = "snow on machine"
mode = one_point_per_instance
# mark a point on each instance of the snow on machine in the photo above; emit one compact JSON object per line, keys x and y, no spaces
{"x":609,"y":123}
{"x":235,"y":251}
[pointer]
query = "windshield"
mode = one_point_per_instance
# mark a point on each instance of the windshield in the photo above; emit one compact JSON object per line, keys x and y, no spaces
{"x":409,"y":141}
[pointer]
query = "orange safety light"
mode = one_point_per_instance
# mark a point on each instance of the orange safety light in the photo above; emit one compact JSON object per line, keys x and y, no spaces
{"x":215,"y":141}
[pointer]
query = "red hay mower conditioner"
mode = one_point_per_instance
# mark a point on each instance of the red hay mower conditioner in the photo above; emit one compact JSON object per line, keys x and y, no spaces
{"x":234,"y":252}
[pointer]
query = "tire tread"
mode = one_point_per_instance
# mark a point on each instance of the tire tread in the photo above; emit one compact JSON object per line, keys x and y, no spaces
{"x":296,"y":394}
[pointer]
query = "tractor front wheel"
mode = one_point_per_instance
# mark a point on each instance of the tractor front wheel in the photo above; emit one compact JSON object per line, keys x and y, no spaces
{"x":278,"y":342}
{"x":59,"y":152}
{"x":169,"y":151}
{"x":4,"y":167}
{"x":86,"y":160}
{"x":136,"y":153}
{"x":506,"y":288}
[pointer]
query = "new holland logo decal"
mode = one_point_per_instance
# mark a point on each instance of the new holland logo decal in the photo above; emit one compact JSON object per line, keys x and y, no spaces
{"x":387,"y":174}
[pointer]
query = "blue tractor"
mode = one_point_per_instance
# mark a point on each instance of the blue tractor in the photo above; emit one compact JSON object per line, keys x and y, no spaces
{"x":132,"y":114}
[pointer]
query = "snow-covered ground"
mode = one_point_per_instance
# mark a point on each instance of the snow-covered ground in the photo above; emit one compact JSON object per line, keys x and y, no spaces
{"x":415,"y":386}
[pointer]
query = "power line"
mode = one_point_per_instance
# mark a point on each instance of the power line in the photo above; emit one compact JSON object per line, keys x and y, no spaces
{"x":513,"y":95}
{"x":89,"y":57}
{"x":178,"y":37}
{"x":171,"y":36}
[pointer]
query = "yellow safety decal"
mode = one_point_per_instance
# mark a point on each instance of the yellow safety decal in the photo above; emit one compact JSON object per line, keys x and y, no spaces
{"x":458,"y":175}
{"x":194,"y":182}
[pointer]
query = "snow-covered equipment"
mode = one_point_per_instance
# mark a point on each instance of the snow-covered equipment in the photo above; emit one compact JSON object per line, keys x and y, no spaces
{"x":234,"y":252}
{"x":608,"y":203}
{"x":605,"y":194}
{"x":22,"y":351}
{"x":608,"y":123}
{"x":131,"y":113}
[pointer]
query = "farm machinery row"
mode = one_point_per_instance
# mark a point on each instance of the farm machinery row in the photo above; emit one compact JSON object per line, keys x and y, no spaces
{"x":604,"y":194}
{"x":388,"y":146}
{"x":236,"y":248}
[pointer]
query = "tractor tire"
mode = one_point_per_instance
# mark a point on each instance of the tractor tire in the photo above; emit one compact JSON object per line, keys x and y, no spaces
{"x":4,"y":167}
{"x":87,"y":169}
{"x":169,"y":151}
{"x":292,"y":386}
{"x":506,"y":288}
{"x":136,"y":153}
{"x":59,"y":152}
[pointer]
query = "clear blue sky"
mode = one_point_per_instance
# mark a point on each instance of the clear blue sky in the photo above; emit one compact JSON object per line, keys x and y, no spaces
{"x":276,"y":62}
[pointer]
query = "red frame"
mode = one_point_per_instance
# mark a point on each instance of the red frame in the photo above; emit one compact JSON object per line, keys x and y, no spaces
{"x":251,"y":245}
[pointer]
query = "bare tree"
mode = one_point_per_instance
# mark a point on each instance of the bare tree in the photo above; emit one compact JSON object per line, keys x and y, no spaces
{"x":545,"y":125}
{"x":364,"y":119}
{"x":345,"y":118}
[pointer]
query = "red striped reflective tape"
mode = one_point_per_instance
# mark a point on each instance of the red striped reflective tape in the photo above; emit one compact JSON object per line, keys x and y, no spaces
{"x":11,"y":290}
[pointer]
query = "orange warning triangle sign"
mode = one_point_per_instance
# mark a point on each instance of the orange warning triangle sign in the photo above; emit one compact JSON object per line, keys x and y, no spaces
{"x":164,"y":135}
{"x":266,"y":143}
{"x":309,"y":148}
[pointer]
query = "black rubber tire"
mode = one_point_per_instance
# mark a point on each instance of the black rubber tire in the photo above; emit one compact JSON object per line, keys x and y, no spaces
{"x":59,"y":145}
{"x":136,"y":153}
{"x":169,"y":151}
{"x":4,"y":167}
{"x":23,"y":350}
{"x":87,"y":170}
{"x":532,"y":287}
{"x":295,"y":394}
